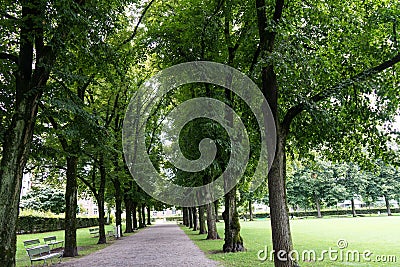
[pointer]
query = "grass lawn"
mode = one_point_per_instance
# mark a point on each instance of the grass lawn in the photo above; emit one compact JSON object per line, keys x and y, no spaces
{"x":86,"y":243}
{"x":380,"y":235}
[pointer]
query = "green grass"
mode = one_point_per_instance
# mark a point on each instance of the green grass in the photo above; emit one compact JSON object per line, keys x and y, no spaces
{"x":380,"y":235}
{"x":86,"y":243}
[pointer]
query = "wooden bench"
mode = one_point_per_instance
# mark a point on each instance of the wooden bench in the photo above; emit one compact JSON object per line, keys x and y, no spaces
{"x":94,"y":232}
{"x":52,"y":241}
{"x":31,"y":243}
{"x":42,"y":253}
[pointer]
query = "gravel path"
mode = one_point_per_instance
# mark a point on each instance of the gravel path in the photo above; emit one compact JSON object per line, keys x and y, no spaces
{"x":163,"y":244}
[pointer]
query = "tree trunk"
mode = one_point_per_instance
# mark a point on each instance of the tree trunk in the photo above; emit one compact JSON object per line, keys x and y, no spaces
{"x":143,"y":215}
{"x":128,"y":212}
{"x":195,"y":219}
{"x":353,"y":208}
{"x":211,"y":222}
{"x":70,"y":249}
{"x":216,"y":206}
{"x":100,"y":202}
{"x":140,"y":216}
{"x":118,"y":204}
{"x":250,"y":210}
{"x":134,"y":213}
{"x":185,"y":213}
{"x":318,"y":206}
{"x":190,"y":217}
{"x":148,"y":215}
{"x":233,"y":240}
{"x":281,"y":236}
{"x":389,"y":213}
{"x":202,"y":223}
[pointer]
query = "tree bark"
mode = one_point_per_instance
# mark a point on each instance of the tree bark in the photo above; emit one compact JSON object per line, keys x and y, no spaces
{"x":233,"y":240}
{"x":71,"y":199}
{"x":195,"y":219}
{"x":211,"y":222}
{"x":389,"y":212}
{"x":353,"y":208}
{"x":148,"y":215}
{"x":202,"y":223}
{"x":128,"y":212}
{"x":134,"y":213}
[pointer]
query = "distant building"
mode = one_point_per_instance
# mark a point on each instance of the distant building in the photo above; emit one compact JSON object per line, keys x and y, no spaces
{"x":166,"y":213}
{"x":347,"y":204}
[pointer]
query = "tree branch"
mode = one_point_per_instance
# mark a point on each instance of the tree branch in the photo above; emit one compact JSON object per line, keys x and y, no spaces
{"x":294,"y":111}
{"x":10,"y":57}
{"x":138,"y":23}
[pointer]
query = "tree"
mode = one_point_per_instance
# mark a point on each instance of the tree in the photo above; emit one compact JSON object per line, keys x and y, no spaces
{"x":37,"y":35}
{"x":288,"y":108}
{"x":44,"y":198}
{"x":387,"y":183}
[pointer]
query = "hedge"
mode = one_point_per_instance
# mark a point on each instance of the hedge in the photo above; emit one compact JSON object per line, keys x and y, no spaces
{"x":35,"y":224}
{"x":340,"y":212}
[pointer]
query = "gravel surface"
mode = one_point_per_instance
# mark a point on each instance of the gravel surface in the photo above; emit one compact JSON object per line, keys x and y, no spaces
{"x":163,"y":244}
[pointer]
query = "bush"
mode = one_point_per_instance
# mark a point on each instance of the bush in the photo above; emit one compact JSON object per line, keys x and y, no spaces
{"x":36,"y":224}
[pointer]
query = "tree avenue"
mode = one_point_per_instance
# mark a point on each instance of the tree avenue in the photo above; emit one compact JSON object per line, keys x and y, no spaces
{"x":328,"y":70}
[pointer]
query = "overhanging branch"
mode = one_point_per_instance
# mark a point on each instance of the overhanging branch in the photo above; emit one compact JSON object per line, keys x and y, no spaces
{"x":294,"y":111}
{"x":138,"y":23}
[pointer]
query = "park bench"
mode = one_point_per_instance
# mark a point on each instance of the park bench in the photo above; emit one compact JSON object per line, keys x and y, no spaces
{"x":42,"y":253}
{"x":52,"y":241}
{"x":31,"y":243}
{"x":94,"y":232}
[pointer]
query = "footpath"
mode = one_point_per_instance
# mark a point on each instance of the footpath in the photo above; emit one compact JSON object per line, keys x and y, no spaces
{"x":163,"y":244}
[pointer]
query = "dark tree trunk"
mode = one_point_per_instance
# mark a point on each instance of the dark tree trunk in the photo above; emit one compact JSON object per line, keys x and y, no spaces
{"x":148,"y":215}
{"x":281,"y":236}
{"x":195,"y":219}
{"x":211,"y":222}
{"x":100,"y":202}
{"x":118,"y":204}
{"x":216,"y":206}
{"x":202,"y":223}
{"x":140,"y":216}
{"x":389,"y":212}
{"x":185,"y":216}
{"x":143,"y":215}
{"x":318,"y":206}
{"x":134,"y":213}
{"x":190,"y":217}
{"x":70,"y":249}
{"x":233,"y":240}
{"x":128,"y":212}
{"x":353,"y":208}
{"x":251,"y":210}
